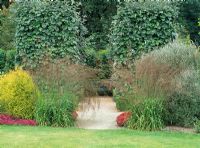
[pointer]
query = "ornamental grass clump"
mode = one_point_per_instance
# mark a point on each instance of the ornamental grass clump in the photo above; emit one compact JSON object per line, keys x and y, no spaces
{"x":18,"y":94}
{"x":55,"y":109}
{"x":63,"y":85}
{"x":172,"y":73}
{"x":155,"y":72}
{"x":147,"y":115}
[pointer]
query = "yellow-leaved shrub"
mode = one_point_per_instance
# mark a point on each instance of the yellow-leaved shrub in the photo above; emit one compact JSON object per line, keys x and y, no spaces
{"x":18,"y":94}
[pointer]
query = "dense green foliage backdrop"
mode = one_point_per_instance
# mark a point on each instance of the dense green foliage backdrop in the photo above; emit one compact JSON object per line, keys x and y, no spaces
{"x":190,"y":13}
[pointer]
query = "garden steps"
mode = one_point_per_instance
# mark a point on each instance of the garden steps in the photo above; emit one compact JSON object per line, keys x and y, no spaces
{"x":99,"y":114}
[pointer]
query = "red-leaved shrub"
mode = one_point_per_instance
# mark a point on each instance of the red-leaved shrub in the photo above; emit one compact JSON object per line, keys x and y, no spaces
{"x":123,"y":118}
{"x":9,"y":120}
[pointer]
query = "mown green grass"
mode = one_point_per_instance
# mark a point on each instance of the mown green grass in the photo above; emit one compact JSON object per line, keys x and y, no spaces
{"x":48,"y":137}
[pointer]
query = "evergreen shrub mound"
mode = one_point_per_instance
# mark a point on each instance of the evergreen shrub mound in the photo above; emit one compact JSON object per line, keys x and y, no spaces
{"x":42,"y":26}
{"x":140,"y":27}
{"x":18,"y":94}
{"x":183,"y":105}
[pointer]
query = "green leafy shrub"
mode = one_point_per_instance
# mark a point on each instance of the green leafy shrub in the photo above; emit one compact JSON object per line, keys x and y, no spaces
{"x":120,"y":100}
{"x":140,"y":27}
{"x":18,"y":94}
{"x":52,"y":26}
{"x":56,"y":110}
{"x":10,"y":60}
{"x":7,"y":60}
{"x":147,"y":115}
{"x":197,"y":126}
{"x":104,"y":65}
{"x":100,"y":60}
{"x":2,"y":60}
{"x":90,"y":57}
{"x":124,"y":97}
{"x":183,"y":104}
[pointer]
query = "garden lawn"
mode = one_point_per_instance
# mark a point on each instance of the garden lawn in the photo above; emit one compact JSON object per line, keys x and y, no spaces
{"x":47,"y":137}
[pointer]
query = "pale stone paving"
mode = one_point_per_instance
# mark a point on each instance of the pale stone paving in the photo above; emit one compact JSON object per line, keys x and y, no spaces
{"x":100,"y":115}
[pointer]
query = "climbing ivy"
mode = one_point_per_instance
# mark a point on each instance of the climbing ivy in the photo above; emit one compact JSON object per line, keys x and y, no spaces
{"x":47,"y":26}
{"x":139,"y":27}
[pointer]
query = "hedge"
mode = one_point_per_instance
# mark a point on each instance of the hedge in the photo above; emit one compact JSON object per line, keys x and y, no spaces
{"x":47,"y":26}
{"x":141,"y":26}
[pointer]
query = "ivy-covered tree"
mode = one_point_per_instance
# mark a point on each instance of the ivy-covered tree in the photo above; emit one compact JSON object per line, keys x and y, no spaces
{"x":141,"y":27}
{"x":54,"y":28}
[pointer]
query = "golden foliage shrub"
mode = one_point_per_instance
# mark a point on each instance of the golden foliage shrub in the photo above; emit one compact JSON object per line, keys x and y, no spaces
{"x":18,"y":93}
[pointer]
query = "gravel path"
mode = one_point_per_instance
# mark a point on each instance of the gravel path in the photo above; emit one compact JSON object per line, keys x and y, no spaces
{"x":100,"y":115}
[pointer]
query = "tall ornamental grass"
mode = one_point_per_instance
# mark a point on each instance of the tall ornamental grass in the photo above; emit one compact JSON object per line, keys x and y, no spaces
{"x":147,"y":115}
{"x":63,"y":85}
